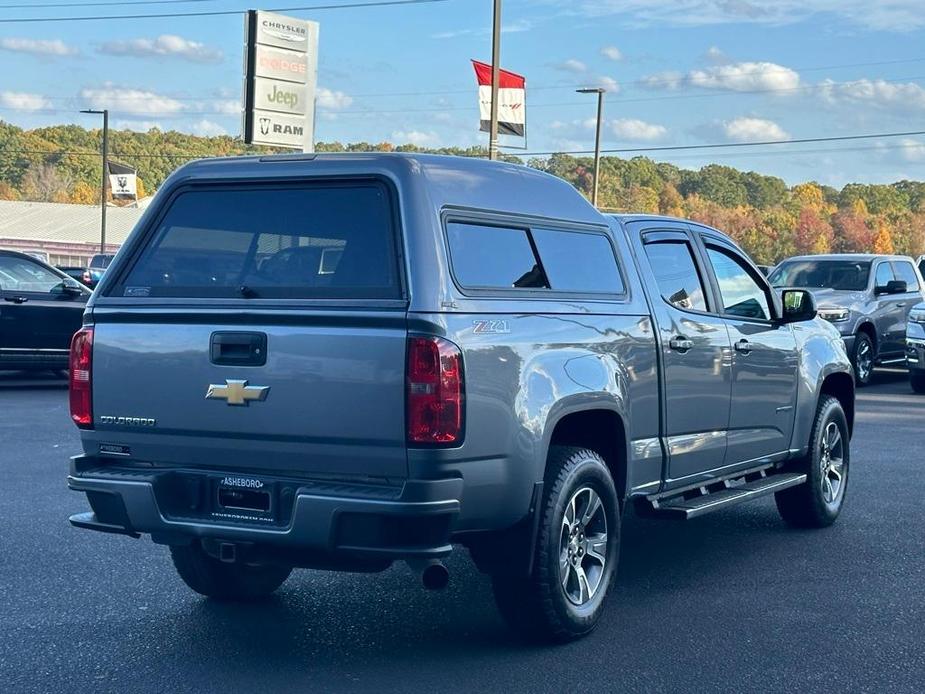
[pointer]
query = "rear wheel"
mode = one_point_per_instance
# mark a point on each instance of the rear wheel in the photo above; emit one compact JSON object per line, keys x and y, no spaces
{"x":917,"y":381}
{"x":817,"y":503}
{"x":576,"y":552}
{"x":226,"y":581}
{"x":862,"y":358}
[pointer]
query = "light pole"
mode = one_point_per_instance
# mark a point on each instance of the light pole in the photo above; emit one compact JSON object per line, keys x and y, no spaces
{"x":105,"y":178}
{"x":600,"y":91}
{"x":495,"y":80}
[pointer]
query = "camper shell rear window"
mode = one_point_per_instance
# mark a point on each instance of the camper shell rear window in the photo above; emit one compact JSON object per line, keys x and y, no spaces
{"x":315,"y":240}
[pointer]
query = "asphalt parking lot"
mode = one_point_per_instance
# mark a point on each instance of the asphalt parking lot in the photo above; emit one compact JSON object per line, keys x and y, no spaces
{"x":732,"y":601}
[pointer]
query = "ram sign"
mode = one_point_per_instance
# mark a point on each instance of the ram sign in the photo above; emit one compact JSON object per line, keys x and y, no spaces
{"x":281,"y":67}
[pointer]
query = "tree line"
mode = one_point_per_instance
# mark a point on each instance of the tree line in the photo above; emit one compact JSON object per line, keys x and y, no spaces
{"x":770,"y":219}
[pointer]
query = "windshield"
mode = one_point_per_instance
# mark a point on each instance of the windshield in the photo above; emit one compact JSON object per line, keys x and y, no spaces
{"x":845,"y":275}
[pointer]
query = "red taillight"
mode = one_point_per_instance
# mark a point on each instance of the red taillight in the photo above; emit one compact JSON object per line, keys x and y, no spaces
{"x":435,"y":392}
{"x":81,"y":377}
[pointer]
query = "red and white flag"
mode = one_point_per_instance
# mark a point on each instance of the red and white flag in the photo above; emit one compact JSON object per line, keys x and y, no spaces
{"x":512,"y":100}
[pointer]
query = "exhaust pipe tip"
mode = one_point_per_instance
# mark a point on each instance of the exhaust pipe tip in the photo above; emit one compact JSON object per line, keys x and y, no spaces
{"x":435,"y":576}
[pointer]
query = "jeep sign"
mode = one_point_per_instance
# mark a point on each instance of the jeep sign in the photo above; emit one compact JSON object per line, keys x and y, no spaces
{"x":281,"y":65}
{"x":285,"y":97}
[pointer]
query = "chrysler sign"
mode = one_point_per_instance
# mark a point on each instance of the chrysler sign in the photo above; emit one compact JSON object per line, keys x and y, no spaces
{"x":281,"y":65}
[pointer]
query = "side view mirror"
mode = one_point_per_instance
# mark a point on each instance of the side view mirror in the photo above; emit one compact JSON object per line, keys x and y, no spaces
{"x":891,"y":287}
{"x":799,"y":305}
{"x":68,"y":287}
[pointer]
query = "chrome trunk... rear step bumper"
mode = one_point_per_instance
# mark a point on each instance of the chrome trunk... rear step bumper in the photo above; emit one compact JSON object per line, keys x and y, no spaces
{"x":413,"y":519}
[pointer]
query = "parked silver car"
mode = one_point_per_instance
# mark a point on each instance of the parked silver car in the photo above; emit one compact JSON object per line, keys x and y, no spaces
{"x":915,"y":347}
{"x":867,"y":297}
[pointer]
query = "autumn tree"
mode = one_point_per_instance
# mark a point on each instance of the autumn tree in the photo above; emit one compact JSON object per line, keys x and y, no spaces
{"x":45,"y":183}
{"x":883,"y":241}
{"x":812,"y":233}
{"x":84,"y":194}
{"x":852,"y":234}
{"x":8,"y":192}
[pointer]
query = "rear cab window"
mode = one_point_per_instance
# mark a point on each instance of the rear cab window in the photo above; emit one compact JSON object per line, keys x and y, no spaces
{"x":679,"y":282}
{"x":316,"y":240}
{"x":486,"y":257}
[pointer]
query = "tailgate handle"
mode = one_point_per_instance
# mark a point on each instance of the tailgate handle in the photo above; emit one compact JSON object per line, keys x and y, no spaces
{"x":239,"y":349}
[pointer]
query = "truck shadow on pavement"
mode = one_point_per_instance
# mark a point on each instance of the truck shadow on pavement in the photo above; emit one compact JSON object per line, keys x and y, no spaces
{"x":325,"y":624}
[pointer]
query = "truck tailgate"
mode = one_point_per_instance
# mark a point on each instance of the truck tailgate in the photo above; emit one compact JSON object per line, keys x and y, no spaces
{"x":333,"y":402}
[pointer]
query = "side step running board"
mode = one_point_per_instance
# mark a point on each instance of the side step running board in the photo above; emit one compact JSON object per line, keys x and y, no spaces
{"x":704,"y":501}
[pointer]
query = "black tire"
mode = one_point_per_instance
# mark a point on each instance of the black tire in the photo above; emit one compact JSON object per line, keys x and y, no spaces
{"x":862,"y":359}
{"x":226,"y":581}
{"x":538,"y":606}
{"x":917,"y":381}
{"x":807,"y":505}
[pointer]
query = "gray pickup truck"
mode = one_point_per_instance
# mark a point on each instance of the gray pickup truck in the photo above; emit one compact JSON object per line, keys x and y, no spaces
{"x":867,"y":297}
{"x":340,"y":361}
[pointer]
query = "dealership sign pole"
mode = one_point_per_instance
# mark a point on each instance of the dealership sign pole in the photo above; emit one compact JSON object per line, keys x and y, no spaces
{"x":280,"y":73}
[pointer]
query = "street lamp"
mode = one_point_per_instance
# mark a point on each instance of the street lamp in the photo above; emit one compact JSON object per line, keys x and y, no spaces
{"x":600,"y":91}
{"x":105,"y":179}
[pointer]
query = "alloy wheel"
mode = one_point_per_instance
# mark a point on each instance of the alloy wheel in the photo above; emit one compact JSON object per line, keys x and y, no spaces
{"x":865,"y":360}
{"x":583,"y":546}
{"x":832,"y":462}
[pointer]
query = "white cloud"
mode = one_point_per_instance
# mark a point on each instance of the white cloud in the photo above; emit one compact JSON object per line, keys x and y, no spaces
{"x":637,"y":130}
{"x":715,"y":55}
{"x":22,"y":101}
{"x":901,"y":96}
{"x":571,"y":65}
{"x":612,"y":53}
{"x":669,"y":80}
{"x":135,"y":102}
{"x":332,"y":100}
{"x":912,"y":150}
{"x":514,"y":27}
{"x":417,"y":138}
{"x":207,"y":128}
{"x":608,"y":83}
{"x":138,"y":126}
{"x":166,"y":45}
{"x":228,"y":107}
{"x":747,"y":129}
{"x":743,"y":77}
{"x":895,"y":15}
{"x":46,"y":48}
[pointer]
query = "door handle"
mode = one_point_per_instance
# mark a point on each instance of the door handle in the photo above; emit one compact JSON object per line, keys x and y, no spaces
{"x":743,"y":346}
{"x":901,"y":304}
{"x":16,"y":299}
{"x":238,"y":349}
{"x":680,"y":344}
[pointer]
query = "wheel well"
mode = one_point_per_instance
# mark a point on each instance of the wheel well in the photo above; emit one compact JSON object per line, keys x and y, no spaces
{"x":603,"y":432}
{"x":871,"y":333}
{"x":841,"y":387}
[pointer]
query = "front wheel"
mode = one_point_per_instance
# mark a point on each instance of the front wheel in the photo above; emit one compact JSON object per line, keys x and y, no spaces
{"x":917,"y":381}
{"x":225,"y":581}
{"x":862,"y":358}
{"x":817,"y":502}
{"x":576,"y":552}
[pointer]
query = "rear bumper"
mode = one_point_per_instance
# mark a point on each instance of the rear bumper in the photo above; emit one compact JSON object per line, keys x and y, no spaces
{"x":322,"y":519}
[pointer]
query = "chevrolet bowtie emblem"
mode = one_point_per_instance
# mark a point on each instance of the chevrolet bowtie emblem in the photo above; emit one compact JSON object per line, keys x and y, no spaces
{"x":236,"y":392}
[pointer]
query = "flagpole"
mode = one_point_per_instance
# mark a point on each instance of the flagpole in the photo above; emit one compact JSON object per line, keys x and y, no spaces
{"x":105,"y":178}
{"x":495,"y":80}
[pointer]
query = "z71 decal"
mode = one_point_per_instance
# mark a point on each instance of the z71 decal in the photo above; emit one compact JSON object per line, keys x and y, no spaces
{"x":491,"y":327}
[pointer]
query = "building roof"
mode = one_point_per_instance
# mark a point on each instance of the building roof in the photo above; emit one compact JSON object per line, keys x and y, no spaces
{"x":64,"y":223}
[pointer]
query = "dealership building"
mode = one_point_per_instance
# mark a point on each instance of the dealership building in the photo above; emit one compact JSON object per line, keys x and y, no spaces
{"x":64,"y":234}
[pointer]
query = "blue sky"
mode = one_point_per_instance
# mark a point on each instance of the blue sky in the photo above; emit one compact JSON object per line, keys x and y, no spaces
{"x":678,"y":72}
